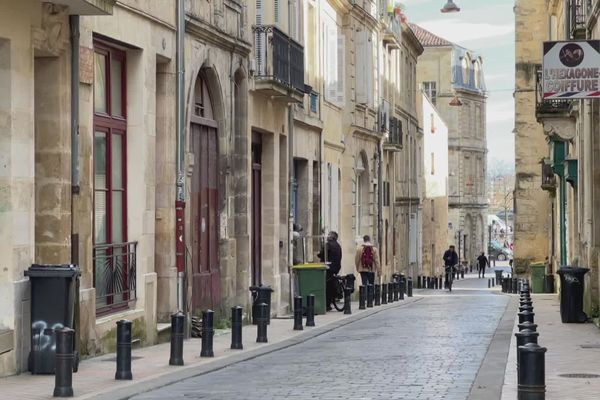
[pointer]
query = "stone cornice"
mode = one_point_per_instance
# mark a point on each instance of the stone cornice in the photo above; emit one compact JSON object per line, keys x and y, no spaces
{"x":214,"y":36}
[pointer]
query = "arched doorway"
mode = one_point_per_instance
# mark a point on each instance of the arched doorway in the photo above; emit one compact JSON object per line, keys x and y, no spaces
{"x":206,"y":282}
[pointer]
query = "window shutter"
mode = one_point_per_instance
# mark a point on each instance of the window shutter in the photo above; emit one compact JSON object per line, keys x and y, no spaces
{"x":341,"y":42}
{"x":360,"y":65}
{"x":335,"y":198}
{"x":331,"y":66}
{"x":275,"y":10}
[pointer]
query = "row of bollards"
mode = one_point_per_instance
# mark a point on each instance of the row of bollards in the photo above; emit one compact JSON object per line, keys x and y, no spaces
{"x":369,"y":296}
{"x":427,"y":282}
{"x":530,"y":356}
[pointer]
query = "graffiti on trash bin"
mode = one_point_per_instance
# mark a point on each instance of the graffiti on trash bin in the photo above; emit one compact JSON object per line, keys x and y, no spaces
{"x":42,"y":336}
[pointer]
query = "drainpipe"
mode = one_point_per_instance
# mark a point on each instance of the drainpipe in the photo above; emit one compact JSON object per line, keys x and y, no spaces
{"x":180,"y":156}
{"x":74,"y":33}
{"x":74,"y":27}
{"x":380,"y":199}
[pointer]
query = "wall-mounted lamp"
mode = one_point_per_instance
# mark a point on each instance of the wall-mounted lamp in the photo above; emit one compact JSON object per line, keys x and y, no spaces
{"x":450,"y":7}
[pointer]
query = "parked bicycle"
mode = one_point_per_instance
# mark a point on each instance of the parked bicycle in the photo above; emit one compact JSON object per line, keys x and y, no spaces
{"x":342,"y":282}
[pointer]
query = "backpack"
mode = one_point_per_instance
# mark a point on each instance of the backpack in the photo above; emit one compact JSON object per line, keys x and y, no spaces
{"x":367,"y":257}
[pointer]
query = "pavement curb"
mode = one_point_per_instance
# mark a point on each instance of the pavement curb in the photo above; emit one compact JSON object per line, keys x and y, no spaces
{"x":186,"y":372}
{"x":490,"y":377}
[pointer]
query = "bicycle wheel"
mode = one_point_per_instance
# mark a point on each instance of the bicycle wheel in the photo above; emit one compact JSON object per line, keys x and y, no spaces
{"x":338,"y":303}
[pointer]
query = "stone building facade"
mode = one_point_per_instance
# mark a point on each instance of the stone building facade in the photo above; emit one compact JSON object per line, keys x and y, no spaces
{"x":453,"y":78}
{"x":435,"y":199}
{"x":564,"y":179}
{"x":299,"y":113}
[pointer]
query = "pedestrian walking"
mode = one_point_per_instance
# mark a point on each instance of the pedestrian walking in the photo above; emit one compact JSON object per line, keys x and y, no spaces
{"x":483,"y":262}
{"x":367,"y":261}
{"x":331,"y":255}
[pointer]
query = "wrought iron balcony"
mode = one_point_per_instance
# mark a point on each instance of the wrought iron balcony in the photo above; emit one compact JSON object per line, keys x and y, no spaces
{"x":577,"y":18}
{"x":548,"y":178}
{"x":278,"y":63}
{"x":549,"y":108}
{"x":394,"y":139}
{"x":114,"y":275}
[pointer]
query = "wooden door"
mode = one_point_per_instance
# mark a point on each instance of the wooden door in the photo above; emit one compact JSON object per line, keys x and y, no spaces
{"x":205,"y":219}
{"x":256,"y":215}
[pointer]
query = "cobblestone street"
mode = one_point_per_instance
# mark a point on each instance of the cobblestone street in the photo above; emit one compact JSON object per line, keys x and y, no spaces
{"x":431,"y":349}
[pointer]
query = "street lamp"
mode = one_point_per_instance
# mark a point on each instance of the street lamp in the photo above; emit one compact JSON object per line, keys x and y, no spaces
{"x":450,"y":7}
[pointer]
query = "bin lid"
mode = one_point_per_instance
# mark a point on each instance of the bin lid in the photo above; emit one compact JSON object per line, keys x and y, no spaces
{"x":310,"y":266}
{"x":572,"y":270}
{"x":53,"y":271}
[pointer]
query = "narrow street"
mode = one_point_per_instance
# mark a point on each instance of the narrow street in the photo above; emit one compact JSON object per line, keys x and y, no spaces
{"x":431,"y":349}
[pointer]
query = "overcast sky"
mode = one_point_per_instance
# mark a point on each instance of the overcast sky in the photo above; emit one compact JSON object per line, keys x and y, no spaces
{"x":487,"y":27}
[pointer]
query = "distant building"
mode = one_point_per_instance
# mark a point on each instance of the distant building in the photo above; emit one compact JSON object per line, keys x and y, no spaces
{"x":435,"y":201}
{"x":453,"y":79}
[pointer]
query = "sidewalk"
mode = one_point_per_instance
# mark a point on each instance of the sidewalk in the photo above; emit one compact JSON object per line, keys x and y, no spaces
{"x":572,"y":349}
{"x":150,"y":368}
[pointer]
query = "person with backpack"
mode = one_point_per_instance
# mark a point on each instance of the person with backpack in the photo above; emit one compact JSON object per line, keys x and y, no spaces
{"x":367,"y":261}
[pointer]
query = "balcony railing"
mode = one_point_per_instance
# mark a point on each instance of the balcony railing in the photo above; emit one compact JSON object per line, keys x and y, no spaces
{"x":549,"y":107}
{"x":114,"y":275}
{"x":548,"y":178}
{"x":577,"y":17}
{"x":278,"y":57}
{"x":395,"y":134}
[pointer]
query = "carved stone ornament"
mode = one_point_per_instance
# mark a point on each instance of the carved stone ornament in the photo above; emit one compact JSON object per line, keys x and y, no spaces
{"x":52,"y":38}
{"x":564,"y":128}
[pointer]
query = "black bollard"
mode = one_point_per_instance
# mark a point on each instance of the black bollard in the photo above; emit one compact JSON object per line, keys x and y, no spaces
{"x":390,"y":292}
{"x":441,"y":284}
{"x":236,"y":328}
{"x":396,"y":291}
{"x":409,"y":287}
{"x":462,"y":273}
{"x":63,"y":379}
{"x":177,"y":328}
{"x":532,"y":372}
{"x":123,"y":350}
{"x":528,"y":325}
{"x":362,"y":297}
{"x":418,"y":281}
{"x":298,"y":313}
{"x":489,"y":283}
{"x":370,"y":295}
{"x":377,"y":294}
{"x":524,"y":307}
{"x":428,"y":282}
{"x":523,"y":337}
{"x":515,"y":285}
{"x":435,"y":283}
{"x":526,"y":316}
{"x":347,"y":300}
{"x":262,"y":321}
{"x":310,"y":310}
{"x":384,"y":293}
{"x":493,"y":282}
{"x":503,"y":282}
{"x":208,"y":331}
{"x":401,"y":288}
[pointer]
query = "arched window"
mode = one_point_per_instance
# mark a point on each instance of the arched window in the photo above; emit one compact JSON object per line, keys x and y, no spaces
{"x":477,"y":73}
{"x":466,"y":69}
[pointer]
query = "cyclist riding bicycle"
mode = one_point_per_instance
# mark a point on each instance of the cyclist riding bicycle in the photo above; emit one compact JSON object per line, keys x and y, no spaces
{"x":450,"y":261}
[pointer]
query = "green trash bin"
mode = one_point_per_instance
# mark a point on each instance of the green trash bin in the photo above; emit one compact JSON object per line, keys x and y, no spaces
{"x":310,"y":279}
{"x":538,"y":272}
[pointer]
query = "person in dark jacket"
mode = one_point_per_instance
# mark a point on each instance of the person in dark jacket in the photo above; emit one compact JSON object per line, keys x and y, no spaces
{"x":483,"y":262}
{"x":450,"y":260}
{"x":331,"y":254}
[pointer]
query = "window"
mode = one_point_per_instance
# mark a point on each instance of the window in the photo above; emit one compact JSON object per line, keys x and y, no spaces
{"x":477,"y":74}
{"x":113,"y":258}
{"x":334,"y":56}
{"x":466,"y":72}
{"x":430,"y":90}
